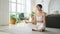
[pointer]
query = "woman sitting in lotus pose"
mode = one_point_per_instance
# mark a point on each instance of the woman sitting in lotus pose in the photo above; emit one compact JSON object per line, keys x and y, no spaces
{"x":39,"y":19}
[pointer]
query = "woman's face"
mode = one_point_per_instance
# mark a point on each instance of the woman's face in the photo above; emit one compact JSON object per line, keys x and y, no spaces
{"x":39,"y":8}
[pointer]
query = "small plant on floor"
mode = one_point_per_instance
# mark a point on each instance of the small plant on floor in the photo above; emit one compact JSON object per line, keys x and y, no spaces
{"x":20,"y":17}
{"x":12,"y":19}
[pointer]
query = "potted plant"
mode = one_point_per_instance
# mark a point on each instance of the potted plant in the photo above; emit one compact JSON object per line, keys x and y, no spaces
{"x":17,"y":19}
{"x":21,"y":16}
{"x":12,"y":19}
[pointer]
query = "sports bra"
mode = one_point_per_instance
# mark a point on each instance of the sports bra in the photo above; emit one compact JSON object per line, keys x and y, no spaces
{"x":39,"y":18}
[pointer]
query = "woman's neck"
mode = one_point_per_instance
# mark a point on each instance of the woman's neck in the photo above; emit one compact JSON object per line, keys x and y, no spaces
{"x":40,"y":11}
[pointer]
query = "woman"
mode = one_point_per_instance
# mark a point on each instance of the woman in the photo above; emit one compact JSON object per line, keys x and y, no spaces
{"x":39,"y":19}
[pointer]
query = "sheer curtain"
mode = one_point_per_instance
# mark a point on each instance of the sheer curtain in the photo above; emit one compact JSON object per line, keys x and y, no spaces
{"x":28,"y":8}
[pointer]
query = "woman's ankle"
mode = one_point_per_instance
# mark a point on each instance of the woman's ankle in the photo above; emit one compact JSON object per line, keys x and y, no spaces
{"x":39,"y":30}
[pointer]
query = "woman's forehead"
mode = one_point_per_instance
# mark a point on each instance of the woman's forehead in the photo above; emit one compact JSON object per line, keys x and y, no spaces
{"x":37,"y":7}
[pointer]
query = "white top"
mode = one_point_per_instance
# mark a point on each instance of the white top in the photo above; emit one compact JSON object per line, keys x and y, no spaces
{"x":39,"y":18}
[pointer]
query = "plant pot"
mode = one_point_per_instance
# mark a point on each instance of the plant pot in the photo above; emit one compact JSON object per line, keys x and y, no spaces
{"x":12,"y":21}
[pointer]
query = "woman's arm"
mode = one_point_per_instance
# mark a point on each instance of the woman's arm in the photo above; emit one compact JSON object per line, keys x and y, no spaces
{"x":34,"y":20}
{"x":44,"y":19}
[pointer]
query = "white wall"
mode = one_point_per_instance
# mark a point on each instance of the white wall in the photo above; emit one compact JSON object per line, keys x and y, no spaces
{"x":54,"y":6}
{"x":4,"y":12}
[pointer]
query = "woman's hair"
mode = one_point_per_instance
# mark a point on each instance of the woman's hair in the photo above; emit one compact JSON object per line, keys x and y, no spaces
{"x":39,"y":5}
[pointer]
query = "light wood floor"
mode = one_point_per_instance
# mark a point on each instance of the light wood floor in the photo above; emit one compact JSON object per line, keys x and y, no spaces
{"x":25,"y":29}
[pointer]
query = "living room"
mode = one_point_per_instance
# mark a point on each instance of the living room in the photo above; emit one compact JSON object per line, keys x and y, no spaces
{"x":25,"y":9}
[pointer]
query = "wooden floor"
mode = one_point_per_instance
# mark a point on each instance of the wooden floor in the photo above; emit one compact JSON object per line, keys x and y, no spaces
{"x":25,"y":29}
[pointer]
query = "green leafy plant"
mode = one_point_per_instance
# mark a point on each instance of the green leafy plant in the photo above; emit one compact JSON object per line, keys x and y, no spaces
{"x":18,"y":20}
{"x":32,"y":14}
{"x":21,"y":16}
{"x":12,"y":17}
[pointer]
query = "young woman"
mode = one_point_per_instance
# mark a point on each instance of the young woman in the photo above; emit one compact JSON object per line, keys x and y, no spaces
{"x":39,"y":19}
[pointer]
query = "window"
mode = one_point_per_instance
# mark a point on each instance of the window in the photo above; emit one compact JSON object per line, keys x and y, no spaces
{"x":18,"y":6}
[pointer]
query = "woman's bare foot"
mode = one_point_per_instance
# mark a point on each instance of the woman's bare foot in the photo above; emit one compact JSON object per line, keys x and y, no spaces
{"x":43,"y":30}
{"x":37,"y":30}
{"x":34,"y":30}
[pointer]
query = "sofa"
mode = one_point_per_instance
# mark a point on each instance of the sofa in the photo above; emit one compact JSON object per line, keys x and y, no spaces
{"x":53,"y":21}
